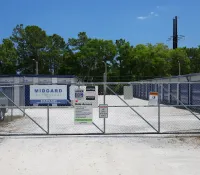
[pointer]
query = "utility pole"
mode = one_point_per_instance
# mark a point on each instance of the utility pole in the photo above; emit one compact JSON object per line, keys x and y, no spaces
{"x":179,"y":68}
{"x":175,"y":33}
{"x":175,"y":37}
{"x":36,"y":70}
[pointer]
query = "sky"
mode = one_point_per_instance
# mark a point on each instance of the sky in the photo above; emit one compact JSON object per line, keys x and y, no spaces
{"x":137,"y":21}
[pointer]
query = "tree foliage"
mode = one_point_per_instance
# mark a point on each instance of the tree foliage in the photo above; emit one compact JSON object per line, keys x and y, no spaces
{"x":84,"y":56}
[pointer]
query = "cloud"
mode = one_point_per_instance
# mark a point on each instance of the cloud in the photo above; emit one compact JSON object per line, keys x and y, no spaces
{"x":150,"y":15}
{"x":157,"y":7}
{"x":142,"y":17}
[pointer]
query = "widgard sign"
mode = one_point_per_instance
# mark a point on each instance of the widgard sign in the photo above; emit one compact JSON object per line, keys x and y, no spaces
{"x":48,"y":94}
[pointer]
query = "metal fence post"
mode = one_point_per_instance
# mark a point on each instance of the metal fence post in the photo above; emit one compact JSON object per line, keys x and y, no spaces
{"x":169,"y":93}
{"x":178,"y":93}
{"x":146,"y":92}
{"x":158,"y":110}
{"x":12,"y":106}
{"x":24,"y":94}
{"x":48,"y":119}
{"x":189,"y":93}
{"x":104,"y":100}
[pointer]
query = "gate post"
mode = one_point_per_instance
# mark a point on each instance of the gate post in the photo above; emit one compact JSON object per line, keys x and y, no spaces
{"x":12,"y":106}
{"x":189,"y":93}
{"x":169,"y":93}
{"x":158,"y":111}
{"x":24,"y":96}
{"x":48,"y":119}
{"x":104,"y":100}
{"x":178,"y":92}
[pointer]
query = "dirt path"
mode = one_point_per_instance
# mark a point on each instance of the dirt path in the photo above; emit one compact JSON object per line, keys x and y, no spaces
{"x":100,"y":155}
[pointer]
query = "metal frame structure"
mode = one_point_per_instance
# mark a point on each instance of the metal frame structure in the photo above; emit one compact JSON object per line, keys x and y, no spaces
{"x":102,"y":131}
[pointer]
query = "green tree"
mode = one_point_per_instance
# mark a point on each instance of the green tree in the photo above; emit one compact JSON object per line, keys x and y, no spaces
{"x":176,"y":56}
{"x":8,"y":57}
{"x":30,"y":43}
{"x":76,"y":44}
{"x":53,"y":54}
{"x":69,"y":63}
{"x":194,"y":56}
{"x":124,"y":59}
{"x":92,"y":55}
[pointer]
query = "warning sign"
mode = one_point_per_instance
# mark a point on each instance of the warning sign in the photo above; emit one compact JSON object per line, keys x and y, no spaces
{"x":153,"y":98}
{"x":103,"y":111}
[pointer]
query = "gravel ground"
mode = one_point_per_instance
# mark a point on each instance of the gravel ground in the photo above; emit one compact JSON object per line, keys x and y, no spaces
{"x":117,"y":155}
{"x":109,"y":155}
{"x":120,"y":119}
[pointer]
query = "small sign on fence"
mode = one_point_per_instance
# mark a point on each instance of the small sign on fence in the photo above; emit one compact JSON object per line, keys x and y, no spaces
{"x":83,"y":113}
{"x":103,"y":111}
{"x":79,"y":95}
{"x":91,"y":95}
{"x":85,"y":93}
{"x":153,"y":98}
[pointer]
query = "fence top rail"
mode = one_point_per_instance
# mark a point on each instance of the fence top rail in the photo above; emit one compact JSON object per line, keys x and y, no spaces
{"x":178,"y":82}
{"x":94,"y":83}
{"x":68,"y":83}
{"x":10,"y":86}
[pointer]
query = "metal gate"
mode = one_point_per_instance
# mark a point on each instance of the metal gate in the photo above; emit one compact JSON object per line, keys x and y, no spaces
{"x":125,"y":116}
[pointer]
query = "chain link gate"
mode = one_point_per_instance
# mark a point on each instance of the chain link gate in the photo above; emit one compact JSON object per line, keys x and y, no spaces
{"x":178,"y":111}
{"x":182,"y":113}
{"x":129,"y":116}
{"x":16,"y":120}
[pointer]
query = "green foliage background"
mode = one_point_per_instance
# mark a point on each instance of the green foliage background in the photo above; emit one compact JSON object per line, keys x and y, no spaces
{"x":82,"y":56}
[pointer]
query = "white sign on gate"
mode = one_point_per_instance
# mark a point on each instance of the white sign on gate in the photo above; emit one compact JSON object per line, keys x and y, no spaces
{"x":91,"y":95}
{"x":103,"y":111}
{"x":79,"y":95}
{"x":153,"y":98}
{"x":84,"y":93}
{"x":83,"y":113}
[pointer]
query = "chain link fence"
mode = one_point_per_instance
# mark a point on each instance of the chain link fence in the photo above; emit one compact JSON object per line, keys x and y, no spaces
{"x":177,"y":111}
{"x":15,"y":117}
{"x":179,"y":105}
